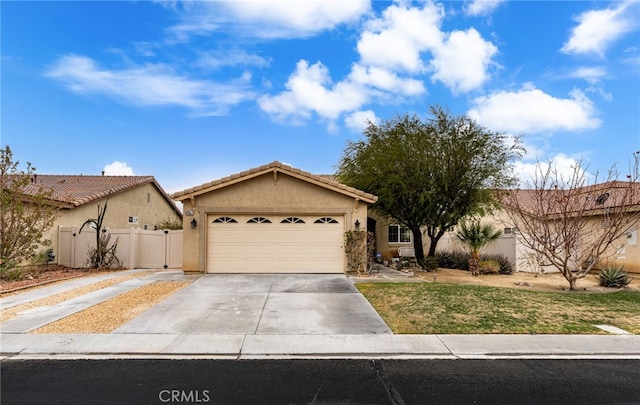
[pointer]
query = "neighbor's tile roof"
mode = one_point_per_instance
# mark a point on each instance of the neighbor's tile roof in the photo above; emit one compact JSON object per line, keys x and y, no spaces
{"x":612,"y":194}
{"x":324,"y":180}
{"x":76,"y":190}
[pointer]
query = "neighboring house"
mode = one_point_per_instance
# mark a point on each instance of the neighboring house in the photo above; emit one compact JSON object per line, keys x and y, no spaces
{"x":133,"y":201}
{"x":390,"y":235}
{"x":595,"y":203}
{"x":270,"y":219}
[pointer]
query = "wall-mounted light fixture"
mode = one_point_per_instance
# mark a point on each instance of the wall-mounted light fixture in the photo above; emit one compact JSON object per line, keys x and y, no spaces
{"x":357,"y":225}
{"x":194,"y":223}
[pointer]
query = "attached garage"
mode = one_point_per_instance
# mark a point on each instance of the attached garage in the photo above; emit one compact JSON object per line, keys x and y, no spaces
{"x":267,"y":243}
{"x":270,"y":219}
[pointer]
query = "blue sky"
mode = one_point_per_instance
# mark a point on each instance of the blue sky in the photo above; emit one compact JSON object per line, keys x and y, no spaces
{"x":192,"y":91}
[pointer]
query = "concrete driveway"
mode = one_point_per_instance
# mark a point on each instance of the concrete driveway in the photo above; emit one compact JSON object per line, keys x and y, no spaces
{"x":263,"y":304}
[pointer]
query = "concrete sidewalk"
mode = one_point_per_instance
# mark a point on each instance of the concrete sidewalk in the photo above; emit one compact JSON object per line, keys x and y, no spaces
{"x":25,"y":346}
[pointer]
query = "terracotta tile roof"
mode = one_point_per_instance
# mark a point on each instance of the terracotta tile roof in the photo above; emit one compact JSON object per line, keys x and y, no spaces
{"x":603,"y":195}
{"x":75,"y":190}
{"x":327,"y":181}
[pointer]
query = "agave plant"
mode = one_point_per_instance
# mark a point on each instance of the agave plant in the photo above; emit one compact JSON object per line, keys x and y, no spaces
{"x":614,"y":276}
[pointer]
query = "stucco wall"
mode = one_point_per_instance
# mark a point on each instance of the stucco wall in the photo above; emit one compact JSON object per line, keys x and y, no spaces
{"x":388,"y":250}
{"x":263,"y":194}
{"x":145,"y":202}
{"x":625,"y":250}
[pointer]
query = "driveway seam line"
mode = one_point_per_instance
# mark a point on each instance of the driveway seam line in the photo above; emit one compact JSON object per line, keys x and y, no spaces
{"x":255,"y":332}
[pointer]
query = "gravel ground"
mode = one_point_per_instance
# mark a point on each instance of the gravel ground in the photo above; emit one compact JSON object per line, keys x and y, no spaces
{"x":109,"y":315}
{"x":43,"y":275}
{"x":9,"y":313}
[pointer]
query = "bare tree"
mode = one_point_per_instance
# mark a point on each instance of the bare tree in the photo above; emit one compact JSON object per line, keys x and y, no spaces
{"x":572,"y":225}
{"x":26,"y":211}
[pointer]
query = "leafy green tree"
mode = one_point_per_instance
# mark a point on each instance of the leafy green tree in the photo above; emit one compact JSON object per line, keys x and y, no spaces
{"x":476,"y":236}
{"x":26,"y":212}
{"x":430,"y":174}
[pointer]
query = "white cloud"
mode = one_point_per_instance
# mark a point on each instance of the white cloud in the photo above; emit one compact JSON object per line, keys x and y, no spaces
{"x":150,"y":85}
{"x":396,"y":40}
{"x":598,"y":29}
{"x":399,"y":39}
{"x":359,"y":120}
{"x":309,"y":89}
{"x":269,"y":19}
{"x":590,"y":74}
{"x":386,"y":80}
{"x":391,"y":63}
{"x":561,"y":164}
{"x":481,"y":7}
{"x":462,"y":61}
{"x":118,"y":168}
{"x":530,"y":110}
{"x":234,"y":57}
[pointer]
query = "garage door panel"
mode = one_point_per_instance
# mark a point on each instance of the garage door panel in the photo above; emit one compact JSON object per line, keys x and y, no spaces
{"x":244,"y":247}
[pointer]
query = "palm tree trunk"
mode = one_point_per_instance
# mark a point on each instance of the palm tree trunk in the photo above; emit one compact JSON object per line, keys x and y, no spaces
{"x":474,"y":263}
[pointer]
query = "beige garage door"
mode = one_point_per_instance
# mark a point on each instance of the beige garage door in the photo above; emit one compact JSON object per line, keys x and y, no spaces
{"x":275,"y":244}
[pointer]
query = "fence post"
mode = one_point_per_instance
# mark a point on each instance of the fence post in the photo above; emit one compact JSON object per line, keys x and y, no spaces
{"x":74,"y":234}
{"x":132,"y":248}
{"x":166,"y":248}
{"x":57,"y":252}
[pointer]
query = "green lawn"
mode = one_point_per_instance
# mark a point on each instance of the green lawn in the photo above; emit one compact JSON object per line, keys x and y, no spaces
{"x":431,"y":308}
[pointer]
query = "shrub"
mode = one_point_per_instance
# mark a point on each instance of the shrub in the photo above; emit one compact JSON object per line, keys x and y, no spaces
{"x":170,"y":224}
{"x":489,"y":267}
{"x":506,"y":267}
{"x":453,"y":259}
{"x":430,"y":263}
{"x":12,"y":274}
{"x":613,"y":276}
{"x":355,"y":244}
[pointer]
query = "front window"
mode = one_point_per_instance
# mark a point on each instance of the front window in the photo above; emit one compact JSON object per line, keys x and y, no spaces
{"x":399,"y":234}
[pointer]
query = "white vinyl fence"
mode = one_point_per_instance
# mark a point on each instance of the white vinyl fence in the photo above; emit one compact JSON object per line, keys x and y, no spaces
{"x":137,"y":248}
{"x":508,"y":246}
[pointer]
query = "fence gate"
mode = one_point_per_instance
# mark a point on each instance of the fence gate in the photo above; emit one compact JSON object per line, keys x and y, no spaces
{"x":136,"y":248}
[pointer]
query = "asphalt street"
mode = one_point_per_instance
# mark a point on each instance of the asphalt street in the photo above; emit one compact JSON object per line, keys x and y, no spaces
{"x":362,"y":381}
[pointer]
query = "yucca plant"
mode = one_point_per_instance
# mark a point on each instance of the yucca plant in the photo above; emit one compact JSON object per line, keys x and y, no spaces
{"x":614,"y":276}
{"x":103,"y":255}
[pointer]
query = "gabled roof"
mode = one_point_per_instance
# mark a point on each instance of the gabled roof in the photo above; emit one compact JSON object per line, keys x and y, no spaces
{"x":72,"y":191}
{"x":590,"y":200}
{"x":277,"y":167}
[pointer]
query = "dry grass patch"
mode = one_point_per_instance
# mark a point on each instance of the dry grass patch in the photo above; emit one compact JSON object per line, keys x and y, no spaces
{"x":9,"y":313}
{"x":523,"y":281}
{"x":109,"y":315}
{"x":428,"y":308}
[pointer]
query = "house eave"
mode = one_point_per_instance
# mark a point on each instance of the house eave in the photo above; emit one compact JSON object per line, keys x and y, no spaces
{"x":276,"y":168}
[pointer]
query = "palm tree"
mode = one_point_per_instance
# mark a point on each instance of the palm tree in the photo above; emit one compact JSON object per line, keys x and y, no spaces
{"x":476,"y":236}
